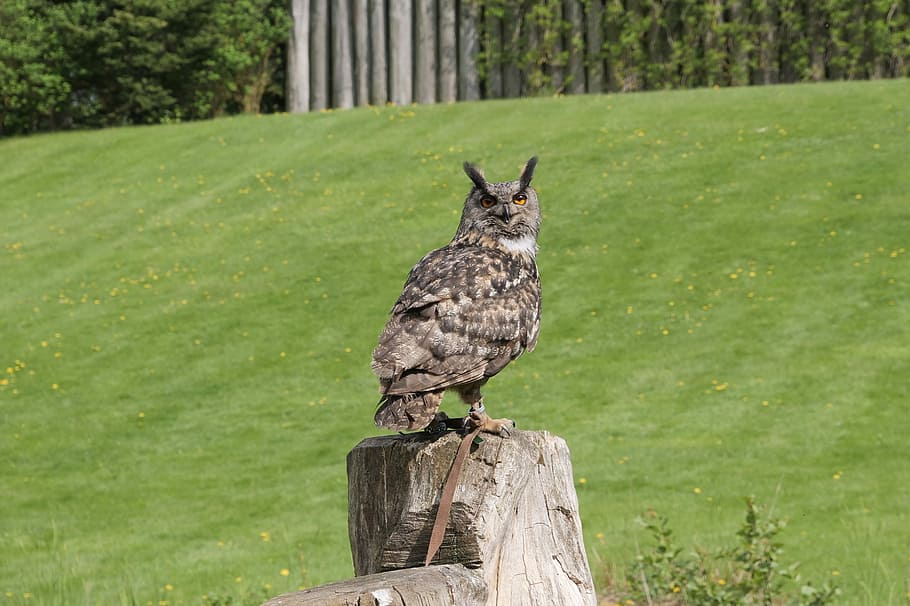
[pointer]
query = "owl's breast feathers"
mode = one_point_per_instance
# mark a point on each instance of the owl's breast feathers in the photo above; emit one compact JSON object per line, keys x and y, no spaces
{"x":465,"y":312}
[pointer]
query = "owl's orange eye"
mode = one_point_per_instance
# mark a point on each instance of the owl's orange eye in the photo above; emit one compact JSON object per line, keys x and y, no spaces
{"x":520,"y":199}
{"x":487,"y":201}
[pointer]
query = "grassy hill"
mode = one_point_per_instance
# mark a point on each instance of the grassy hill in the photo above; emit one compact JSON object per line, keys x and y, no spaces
{"x":188,"y":311}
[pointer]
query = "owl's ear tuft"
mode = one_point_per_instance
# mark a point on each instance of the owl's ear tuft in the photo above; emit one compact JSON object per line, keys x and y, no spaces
{"x":475,"y":173}
{"x":528,"y":172}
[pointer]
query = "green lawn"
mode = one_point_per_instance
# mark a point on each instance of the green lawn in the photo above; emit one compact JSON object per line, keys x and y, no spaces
{"x":188,"y":311}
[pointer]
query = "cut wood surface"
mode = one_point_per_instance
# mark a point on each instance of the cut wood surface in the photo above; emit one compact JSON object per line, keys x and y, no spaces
{"x":514,"y":526}
{"x":452,"y":584}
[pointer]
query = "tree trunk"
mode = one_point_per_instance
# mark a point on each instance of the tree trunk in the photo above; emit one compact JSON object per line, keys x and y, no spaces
{"x":818,"y":39}
{"x":511,"y":32}
{"x":740,"y":67}
{"x":576,"y":43}
{"x":768,"y":45}
{"x":379,"y":82}
{"x":557,"y":68}
{"x":595,"y":42}
{"x":433,"y":585}
{"x":513,"y":536}
{"x":468,"y":47}
{"x":361,"y":52}
{"x":319,"y":54}
{"x":448,"y":52}
{"x":425,"y":69}
{"x":299,"y":58}
{"x":401,"y":58}
{"x":493,"y":42}
{"x":342,"y":65}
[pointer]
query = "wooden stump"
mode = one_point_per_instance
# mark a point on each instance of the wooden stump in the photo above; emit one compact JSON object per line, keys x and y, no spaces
{"x":514,"y":535}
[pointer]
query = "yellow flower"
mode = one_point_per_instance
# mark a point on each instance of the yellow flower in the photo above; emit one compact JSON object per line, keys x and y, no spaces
{"x":696,"y":490}
{"x":285,"y":572}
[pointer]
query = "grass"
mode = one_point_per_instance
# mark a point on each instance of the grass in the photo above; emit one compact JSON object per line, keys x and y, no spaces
{"x":188,"y":311}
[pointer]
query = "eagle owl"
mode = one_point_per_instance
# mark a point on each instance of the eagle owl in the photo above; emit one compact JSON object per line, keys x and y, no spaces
{"x":466,"y":310}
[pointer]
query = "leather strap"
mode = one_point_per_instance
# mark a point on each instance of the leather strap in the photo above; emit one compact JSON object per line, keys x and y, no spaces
{"x":448,"y":494}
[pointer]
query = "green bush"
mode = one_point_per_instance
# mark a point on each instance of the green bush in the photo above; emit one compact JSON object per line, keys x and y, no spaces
{"x":749,"y":573}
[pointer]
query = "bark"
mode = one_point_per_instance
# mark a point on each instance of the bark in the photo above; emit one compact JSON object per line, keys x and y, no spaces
{"x":319,"y":54}
{"x":425,"y":69}
{"x":361,"y":52}
{"x":401,"y":51}
{"x":468,"y":47}
{"x":342,"y":63}
{"x":299,"y":58}
{"x":379,"y":81}
{"x":448,"y":52}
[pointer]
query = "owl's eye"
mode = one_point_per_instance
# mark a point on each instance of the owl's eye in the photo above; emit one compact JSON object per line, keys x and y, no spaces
{"x":487,"y":201}
{"x":520,"y":199}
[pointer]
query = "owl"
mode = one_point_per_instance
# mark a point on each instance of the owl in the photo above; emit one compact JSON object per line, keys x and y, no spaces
{"x":466,"y":310}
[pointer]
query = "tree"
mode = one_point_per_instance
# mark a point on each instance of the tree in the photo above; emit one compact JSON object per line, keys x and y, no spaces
{"x":33,"y":92}
{"x":249,"y":36}
{"x":299,"y":57}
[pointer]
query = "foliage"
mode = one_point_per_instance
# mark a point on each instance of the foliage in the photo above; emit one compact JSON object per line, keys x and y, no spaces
{"x":655,"y":44}
{"x":32,"y":92}
{"x":115,"y":62}
{"x":749,"y":573}
{"x":248,"y":51}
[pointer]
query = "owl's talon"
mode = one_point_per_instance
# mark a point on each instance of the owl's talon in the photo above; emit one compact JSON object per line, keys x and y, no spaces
{"x":501,"y":427}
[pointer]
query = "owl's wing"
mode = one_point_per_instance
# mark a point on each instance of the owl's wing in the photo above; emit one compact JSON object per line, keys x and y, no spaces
{"x":463,"y":315}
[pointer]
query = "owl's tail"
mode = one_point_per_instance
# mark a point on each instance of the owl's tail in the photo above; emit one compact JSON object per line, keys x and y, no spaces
{"x":407,"y":412}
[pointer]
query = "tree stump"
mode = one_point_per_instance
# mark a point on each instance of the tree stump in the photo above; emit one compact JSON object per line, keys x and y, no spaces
{"x":513,"y":537}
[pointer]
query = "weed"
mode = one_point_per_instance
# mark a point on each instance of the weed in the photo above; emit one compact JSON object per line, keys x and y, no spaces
{"x":748,"y":573}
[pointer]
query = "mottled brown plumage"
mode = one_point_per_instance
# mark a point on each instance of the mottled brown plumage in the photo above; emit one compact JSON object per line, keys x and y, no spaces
{"x":466,"y":310}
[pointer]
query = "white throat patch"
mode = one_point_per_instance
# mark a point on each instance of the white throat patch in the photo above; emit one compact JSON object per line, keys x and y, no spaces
{"x":525,"y":244}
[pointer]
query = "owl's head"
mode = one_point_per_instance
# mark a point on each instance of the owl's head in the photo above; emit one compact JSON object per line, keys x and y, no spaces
{"x":507,"y":213}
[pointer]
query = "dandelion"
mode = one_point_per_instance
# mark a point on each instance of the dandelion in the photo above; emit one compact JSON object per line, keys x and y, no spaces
{"x":266,"y":536}
{"x":582,"y":480}
{"x":285,"y":572}
{"x":696,"y":490}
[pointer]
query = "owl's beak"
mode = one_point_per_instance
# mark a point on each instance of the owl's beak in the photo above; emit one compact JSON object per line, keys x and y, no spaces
{"x":505,"y":213}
